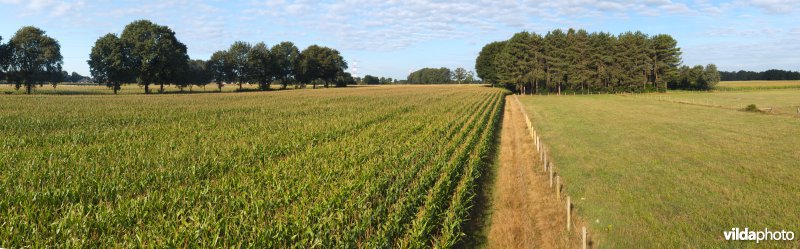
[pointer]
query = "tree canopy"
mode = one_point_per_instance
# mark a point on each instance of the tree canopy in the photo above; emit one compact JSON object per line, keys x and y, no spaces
{"x":154,"y":53}
{"x":430,"y":76}
{"x":284,"y":60}
{"x":579,"y":61}
{"x":485,"y":63}
{"x":319,"y":64}
{"x":32,"y":58}
{"x":108,"y":62}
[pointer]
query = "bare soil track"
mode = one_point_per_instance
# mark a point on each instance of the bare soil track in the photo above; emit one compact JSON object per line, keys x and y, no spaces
{"x":524,"y":213}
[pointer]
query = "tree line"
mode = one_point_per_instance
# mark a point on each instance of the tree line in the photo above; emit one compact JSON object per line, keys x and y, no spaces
{"x":441,"y":75}
{"x":579,"y":61}
{"x":147,"y":53}
{"x":772,"y":74}
{"x":150,"y":54}
{"x":375,"y":80}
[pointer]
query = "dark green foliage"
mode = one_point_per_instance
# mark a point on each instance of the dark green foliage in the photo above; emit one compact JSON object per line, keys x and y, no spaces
{"x":485,"y":65}
{"x":109,"y":63}
{"x":430,"y":76}
{"x":260,"y":66}
{"x":695,"y":78}
{"x":4,"y":58}
{"x":32,"y":58}
{"x":371,"y":80}
{"x":284,"y":59}
{"x":752,"y":108}
{"x":319,"y":64}
{"x":155,"y":54}
{"x":219,"y":71}
{"x":772,"y":74}
{"x":578,"y":61}
{"x":236,"y":60}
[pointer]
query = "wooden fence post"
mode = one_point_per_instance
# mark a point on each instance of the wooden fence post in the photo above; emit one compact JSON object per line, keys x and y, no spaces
{"x":551,"y":174}
{"x":558,"y":188}
{"x":544,"y":163}
{"x":583,"y":235}
{"x":568,"y":213}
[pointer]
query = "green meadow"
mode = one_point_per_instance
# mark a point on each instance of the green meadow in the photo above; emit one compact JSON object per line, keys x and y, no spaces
{"x":649,"y":173}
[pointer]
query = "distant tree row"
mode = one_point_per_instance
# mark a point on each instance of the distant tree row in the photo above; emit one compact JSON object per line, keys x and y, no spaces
{"x":772,"y":74}
{"x":579,"y":61}
{"x":147,"y":53}
{"x":30,"y":58}
{"x":441,"y":76}
{"x":374,"y":80}
{"x":695,"y":78}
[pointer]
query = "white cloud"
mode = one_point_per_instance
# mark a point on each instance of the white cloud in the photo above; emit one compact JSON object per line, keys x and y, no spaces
{"x":775,"y":6}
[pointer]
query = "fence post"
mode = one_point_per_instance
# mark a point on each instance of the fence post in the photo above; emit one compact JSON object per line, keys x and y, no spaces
{"x":551,"y":174}
{"x":583,"y":235}
{"x":568,"y":213}
{"x":558,"y":188}
{"x":544,"y":162}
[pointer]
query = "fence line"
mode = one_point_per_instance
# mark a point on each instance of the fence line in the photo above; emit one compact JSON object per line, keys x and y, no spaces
{"x":549,"y":168}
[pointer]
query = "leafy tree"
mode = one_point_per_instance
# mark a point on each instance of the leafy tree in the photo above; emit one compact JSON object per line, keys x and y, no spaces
{"x":371,"y":80}
{"x":470,"y":77}
{"x":284,"y":58}
{"x":320,"y":64}
{"x":259,"y":66}
{"x":485,"y":64}
{"x":108,"y":62}
{"x":236,"y":61}
{"x":430,"y":76}
{"x":218,"y":69}
{"x":459,"y":75}
{"x":710,"y":76}
{"x":34,"y":58}
{"x":155,"y":54}
{"x":343,"y":79}
{"x":4,"y":58}
{"x":76,"y":77}
{"x":198,"y":73}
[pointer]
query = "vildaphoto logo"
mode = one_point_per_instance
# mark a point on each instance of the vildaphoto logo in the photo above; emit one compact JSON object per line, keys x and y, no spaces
{"x":758,"y":235}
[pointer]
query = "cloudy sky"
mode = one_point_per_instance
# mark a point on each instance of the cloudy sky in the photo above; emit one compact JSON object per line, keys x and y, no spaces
{"x":392,"y":37}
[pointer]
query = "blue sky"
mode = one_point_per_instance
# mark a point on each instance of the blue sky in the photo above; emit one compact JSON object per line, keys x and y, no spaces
{"x":392,"y":37}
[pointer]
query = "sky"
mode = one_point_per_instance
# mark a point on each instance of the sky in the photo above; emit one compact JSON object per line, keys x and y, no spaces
{"x":391,"y":38}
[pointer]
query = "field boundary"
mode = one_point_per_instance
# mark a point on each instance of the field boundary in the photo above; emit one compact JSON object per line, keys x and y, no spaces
{"x":710,"y":103}
{"x":557,"y":184}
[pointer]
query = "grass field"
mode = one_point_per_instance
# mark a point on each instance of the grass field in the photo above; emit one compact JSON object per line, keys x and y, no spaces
{"x":646,"y":173}
{"x":757,"y":85}
{"x":358,"y":167}
{"x":780,"y":101}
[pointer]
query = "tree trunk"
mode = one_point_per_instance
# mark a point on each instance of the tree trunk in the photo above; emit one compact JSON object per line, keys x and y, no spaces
{"x":29,"y":88}
{"x":116,"y":88}
{"x":161,"y":90}
{"x":147,"y":88}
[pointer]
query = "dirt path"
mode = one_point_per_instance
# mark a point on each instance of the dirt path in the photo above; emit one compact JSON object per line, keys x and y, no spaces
{"x":523,"y":210}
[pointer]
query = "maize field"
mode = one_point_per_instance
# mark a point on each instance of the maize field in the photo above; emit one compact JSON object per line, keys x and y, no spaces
{"x":368,"y":167}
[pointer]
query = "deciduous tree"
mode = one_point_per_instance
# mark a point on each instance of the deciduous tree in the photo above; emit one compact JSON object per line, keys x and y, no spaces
{"x":34,"y":58}
{"x":155,"y":54}
{"x":108,"y":62}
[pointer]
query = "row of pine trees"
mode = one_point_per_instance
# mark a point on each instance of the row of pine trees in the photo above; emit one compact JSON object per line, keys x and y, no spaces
{"x":581,"y":62}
